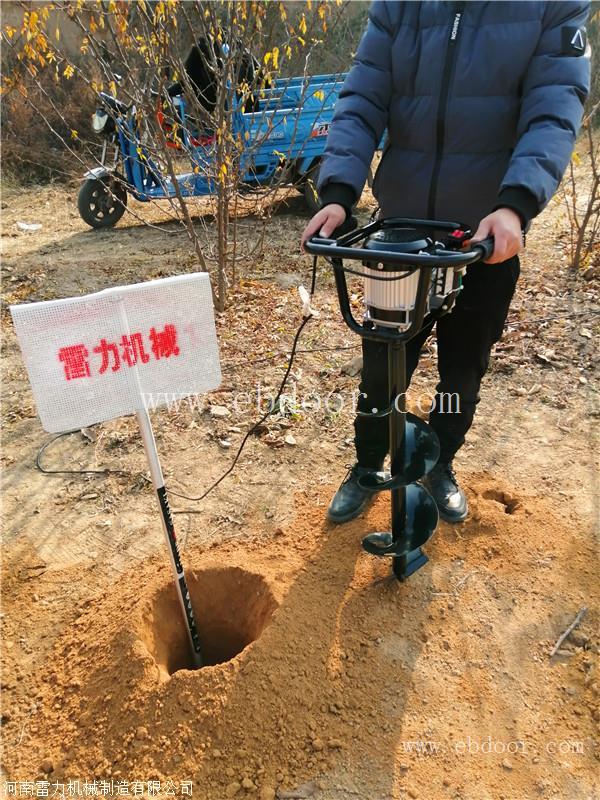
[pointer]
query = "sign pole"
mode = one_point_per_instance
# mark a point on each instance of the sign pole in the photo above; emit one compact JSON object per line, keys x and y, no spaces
{"x":147,"y":433}
{"x":158,"y":482}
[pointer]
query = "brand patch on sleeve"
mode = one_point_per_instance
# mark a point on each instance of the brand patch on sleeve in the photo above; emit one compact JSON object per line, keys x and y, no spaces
{"x":574,"y":41}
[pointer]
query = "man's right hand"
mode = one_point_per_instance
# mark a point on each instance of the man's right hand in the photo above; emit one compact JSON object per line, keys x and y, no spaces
{"x":325,"y":222}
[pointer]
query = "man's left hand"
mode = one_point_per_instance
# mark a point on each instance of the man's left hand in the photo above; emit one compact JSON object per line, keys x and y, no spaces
{"x":504,"y":225}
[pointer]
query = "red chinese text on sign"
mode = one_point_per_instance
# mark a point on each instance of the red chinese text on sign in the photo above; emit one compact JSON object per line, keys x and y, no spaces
{"x":164,"y":343}
{"x":106,"y":350}
{"x":130,"y":351}
{"x":75,"y":360}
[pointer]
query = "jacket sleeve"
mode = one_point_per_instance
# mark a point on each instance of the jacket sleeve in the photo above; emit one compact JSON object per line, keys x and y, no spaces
{"x":361,"y":112}
{"x":554,"y":90}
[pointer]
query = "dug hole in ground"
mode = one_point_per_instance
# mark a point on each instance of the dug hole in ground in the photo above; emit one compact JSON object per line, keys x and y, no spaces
{"x":326,"y":678}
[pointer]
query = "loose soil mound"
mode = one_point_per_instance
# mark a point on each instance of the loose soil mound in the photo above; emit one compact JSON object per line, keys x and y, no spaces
{"x":331,"y":678}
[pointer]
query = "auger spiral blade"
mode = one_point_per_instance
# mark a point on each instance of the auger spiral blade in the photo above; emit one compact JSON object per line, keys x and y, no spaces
{"x":419,"y":522}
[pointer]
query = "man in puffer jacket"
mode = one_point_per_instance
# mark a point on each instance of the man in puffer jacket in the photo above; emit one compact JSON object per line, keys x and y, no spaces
{"x":482,"y":102}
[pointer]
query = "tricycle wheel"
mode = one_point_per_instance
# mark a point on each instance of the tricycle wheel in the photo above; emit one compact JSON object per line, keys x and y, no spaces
{"x":101,"y":202}
{"x":310,"y":188}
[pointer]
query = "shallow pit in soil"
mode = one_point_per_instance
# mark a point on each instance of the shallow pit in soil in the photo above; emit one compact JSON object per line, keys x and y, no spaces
{"x":232,"y":608}
{"x":510,"y":503}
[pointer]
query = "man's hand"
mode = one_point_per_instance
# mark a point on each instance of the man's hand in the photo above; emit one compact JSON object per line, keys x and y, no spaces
{"x":325,"y":222}
{"x":504,"y":225}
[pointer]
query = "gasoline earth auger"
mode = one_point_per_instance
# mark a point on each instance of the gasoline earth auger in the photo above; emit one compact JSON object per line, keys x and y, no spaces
{"x":412,"y":271}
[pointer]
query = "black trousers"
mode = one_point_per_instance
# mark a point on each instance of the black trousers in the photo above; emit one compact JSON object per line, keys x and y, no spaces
{"x":465,"y":338}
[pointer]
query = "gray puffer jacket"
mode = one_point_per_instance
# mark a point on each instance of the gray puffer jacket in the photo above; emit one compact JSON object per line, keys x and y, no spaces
{"x":482,"y":102}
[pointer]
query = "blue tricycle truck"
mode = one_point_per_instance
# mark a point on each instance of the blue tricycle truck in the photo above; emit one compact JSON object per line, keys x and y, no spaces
{"x":283,"y":139}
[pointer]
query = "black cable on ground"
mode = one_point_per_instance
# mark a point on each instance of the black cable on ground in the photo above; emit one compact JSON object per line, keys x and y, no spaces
{"x":46,"y":471}
{"x":256,"y":425}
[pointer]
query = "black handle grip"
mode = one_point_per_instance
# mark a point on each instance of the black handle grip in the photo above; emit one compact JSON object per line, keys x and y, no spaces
{"x":486,"y":246}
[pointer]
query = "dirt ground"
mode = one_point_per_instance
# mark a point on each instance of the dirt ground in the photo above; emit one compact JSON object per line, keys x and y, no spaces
{"x":330,"y":680}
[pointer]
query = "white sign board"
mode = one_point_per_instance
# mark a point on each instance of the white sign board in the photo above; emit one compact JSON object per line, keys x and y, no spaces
{"x":108,"y":354}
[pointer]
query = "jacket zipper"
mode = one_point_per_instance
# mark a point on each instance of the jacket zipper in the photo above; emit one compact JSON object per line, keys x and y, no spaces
{"x":449,"y":64}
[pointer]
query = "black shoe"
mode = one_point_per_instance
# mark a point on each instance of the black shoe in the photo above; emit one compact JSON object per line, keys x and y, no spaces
{"x":350,"y":499}
{"x":449,"y":497}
